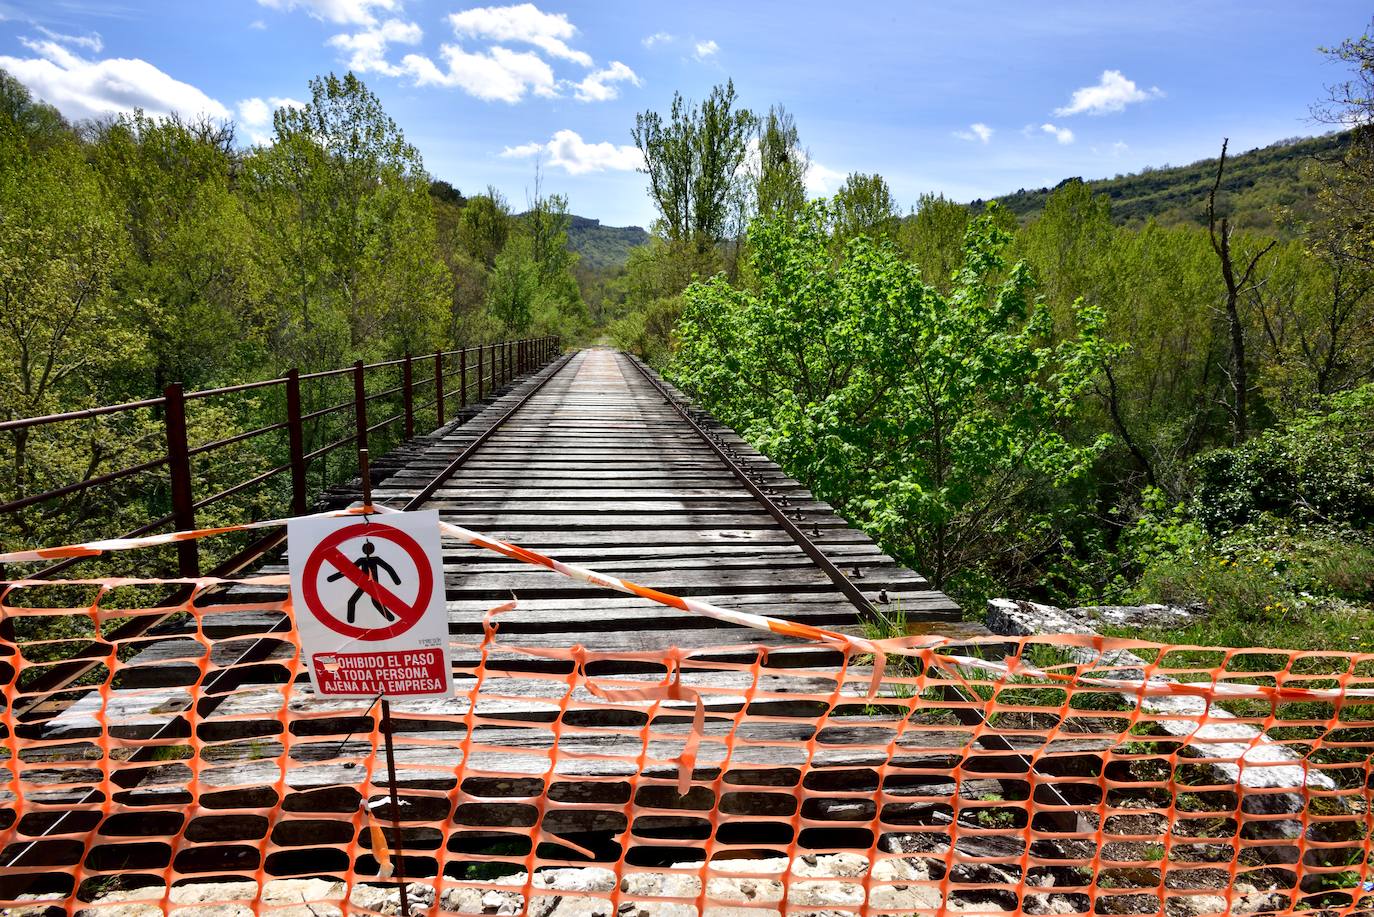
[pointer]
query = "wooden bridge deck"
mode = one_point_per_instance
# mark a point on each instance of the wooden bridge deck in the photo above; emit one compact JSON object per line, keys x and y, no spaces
{"x":595,"y":468}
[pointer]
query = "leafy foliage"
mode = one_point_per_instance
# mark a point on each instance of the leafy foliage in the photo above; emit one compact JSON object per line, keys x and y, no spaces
{"x":140,"y":252}
{"x":926,"y":417}
{"x":1314,"y":469}
{"x":694,"y":162}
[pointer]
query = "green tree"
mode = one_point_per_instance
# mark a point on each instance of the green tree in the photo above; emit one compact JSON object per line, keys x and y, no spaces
{"x":930,"y":419}
{"x":780,"y":178}
{"x":484,"y":227}
{"x":514,"y":284}
{"x":933,"y":238}
{"x":59,"y":244}
{"x":694,"y":162}
{"x":864,"y":207}
{"x":343,"y":202}
{"x":188,"y":279}
{"x":1347,"y":185}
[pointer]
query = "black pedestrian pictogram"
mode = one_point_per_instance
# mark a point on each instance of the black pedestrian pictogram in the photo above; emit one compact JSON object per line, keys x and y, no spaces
{"x":370,"y":565}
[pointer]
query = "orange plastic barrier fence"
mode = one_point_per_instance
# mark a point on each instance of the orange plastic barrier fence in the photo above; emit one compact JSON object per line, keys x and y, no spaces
{"x":186,"y":771}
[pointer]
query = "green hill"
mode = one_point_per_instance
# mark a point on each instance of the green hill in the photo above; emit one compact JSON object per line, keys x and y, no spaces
{"x":1256,"y":186}
{"x":600,"y":246}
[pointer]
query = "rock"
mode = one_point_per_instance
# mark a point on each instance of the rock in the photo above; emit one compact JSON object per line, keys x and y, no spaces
{"x":1055,"y":904}
{"x":573,"y":879}
{"x":1195,"y":905}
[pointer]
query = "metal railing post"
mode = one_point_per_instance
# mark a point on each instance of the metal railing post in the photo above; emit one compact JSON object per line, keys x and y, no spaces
{"x":179,"y":473}
{"x":408,"y":396}
{"x":480,"y":371}
{"x":360,"y":404}
{"x":295,"y":437}
{"x":463,"y":378}
{"x":439,"y":388}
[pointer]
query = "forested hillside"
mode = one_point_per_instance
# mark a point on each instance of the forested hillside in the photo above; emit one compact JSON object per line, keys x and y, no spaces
{"x":137,"y":252}
{"x":1265,"y":189}
{"x":599,"y":247}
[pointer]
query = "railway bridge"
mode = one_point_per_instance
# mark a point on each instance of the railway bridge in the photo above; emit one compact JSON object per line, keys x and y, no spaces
{"x":603,"y":754}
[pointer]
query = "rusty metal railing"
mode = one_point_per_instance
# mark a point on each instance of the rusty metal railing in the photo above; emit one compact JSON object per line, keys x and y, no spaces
{"x":304,"y":406}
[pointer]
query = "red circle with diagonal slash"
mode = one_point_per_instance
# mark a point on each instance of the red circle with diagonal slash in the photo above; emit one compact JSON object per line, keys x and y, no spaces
{"x":327,"y":551}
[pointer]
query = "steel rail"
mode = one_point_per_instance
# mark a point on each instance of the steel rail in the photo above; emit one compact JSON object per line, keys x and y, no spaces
{"x":968,"y":715}
{"x":827,"y":566}
{"x":438,"y":481}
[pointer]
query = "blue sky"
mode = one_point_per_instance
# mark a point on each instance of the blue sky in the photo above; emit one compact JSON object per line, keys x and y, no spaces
{"x":970,"y":99}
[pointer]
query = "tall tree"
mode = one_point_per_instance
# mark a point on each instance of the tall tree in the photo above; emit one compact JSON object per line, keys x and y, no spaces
{"x":344,"y":201}
{"x":1347,"y":192}
{"x":188,"y":278}
{"x":1236,"y":284}
{"x":780,"y":179}
{"x":926,"y":417}
{"x":933,"y":237}
{"x":864,"y":207}
{"x":59,"y":244}
{"x":485,"y":226}
{"x":694,"y":163}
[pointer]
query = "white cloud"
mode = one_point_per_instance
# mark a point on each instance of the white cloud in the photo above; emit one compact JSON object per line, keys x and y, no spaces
{"x":91,"y":42}
{"x":1119,"y":147}
{"x":255,"y":114}
{"x":600,"y":86}
{"x":523,"y":23}
{"x":705,"y":49}
{"x":524,"y":150}
{"x":976,"y":131}
{"x":1062,"y":134}
{"x":568,"y":151}
{"x":658,"y":38}
{"x":258,"y":25}
{"x":367,"y":48}
{"x":343,"y":12}
{"x":822,"y":181}
{"x":1113,"y":92}
{"x":82,"y":88}
{"x":496,"y":75}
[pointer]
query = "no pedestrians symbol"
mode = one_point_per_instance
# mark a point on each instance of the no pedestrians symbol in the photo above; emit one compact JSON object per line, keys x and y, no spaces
{"x":369,"y":602}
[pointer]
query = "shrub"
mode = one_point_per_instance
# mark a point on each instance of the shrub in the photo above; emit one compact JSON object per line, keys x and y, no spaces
{"x":1316,"y":468}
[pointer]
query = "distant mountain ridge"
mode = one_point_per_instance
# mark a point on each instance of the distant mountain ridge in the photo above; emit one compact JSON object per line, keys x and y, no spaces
{"x":1256,"y":184}
{"x":602,"y":247}
{"x":599,"y":247}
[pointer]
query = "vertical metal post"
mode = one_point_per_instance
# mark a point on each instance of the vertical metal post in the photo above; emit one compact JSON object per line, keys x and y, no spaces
{"x":295,"y":436}
{"x":360,"y":405}
{"x":439,"y":388}
{"x":463,"y":378}
{"x":397,"y":861}
{"x":179,"y":472}
{"x":408,"y":396}
{"x":480,"y":371}
{"x":365,"y":477}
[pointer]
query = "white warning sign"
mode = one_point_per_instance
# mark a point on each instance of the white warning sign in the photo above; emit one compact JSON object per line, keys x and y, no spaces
{"x":369,"y":601}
